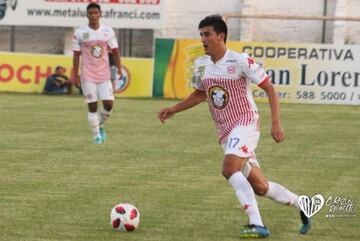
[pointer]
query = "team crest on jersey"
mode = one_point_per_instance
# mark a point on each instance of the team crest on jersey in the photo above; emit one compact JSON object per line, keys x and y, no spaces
{"x":198,"y":74}
{"x":218,"y":96}
{"x":96,"y":51}
{"x":231,"y":69}
{"x":250,"y":61}
{"x":86,"y":36}
{"x":201,"y":70}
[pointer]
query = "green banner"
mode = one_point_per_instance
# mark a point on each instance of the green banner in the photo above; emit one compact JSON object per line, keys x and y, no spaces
{"x":163,"y":52}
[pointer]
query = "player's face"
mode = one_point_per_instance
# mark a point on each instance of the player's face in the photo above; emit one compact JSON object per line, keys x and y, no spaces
{"x":60,"y":71}
{"x":211,"y":40}
{"x":93,"y":15}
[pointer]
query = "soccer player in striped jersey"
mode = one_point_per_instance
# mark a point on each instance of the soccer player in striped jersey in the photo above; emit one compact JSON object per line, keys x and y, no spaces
{"x":92,"y":42}
{"x":223,"y":78}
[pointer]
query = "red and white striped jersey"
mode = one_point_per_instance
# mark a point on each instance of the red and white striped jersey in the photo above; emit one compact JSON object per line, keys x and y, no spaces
{"x":227,"y":87}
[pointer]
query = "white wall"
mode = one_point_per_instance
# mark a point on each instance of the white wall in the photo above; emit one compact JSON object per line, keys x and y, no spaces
{"x":286,"y":30}
{"x":353,"y":28}
{"x":183,"y":17}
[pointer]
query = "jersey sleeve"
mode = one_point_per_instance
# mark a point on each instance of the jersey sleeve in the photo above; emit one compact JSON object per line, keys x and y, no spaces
{"x":112,"y":42}
{"x":76,"y":45}
{"x":253,"y":71}
{"x":198,"y":72}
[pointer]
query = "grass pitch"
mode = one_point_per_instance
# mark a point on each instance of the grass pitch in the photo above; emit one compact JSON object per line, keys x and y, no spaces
{"x":56,"y":185}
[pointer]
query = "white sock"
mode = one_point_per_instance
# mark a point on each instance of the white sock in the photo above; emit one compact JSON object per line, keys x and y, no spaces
{"x":280,"y":194}
{"x":246,"y":196}
{"x":104,"y":115}
{"x":94,"y":123}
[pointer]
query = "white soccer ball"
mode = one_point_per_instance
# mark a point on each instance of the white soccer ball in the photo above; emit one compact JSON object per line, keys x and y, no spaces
{"x":125,"y":217}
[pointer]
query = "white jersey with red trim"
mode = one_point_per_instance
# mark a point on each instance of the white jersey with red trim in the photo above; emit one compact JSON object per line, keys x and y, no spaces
{"x":227,"y":87}
{"x":94,"y":46}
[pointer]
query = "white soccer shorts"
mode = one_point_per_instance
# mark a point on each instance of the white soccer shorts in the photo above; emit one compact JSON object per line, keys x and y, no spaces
{"x":95,"y":91}
{"x":242,"y":141}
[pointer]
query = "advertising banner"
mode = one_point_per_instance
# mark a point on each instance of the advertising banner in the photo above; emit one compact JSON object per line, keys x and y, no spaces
{"x":302,"y":73}
{"x":125,"y":14}
{"x":28,"y":73}
{"x":137,"y":78}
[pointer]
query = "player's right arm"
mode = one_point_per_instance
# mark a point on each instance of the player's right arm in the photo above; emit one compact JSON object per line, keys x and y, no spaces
{"x":76,"y":63}
{"x":192,"y":100}
{"x":76,"y":47}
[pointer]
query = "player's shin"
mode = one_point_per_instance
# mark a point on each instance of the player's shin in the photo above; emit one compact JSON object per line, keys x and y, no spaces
{"x":246,"y":196}
{"x":104,"y":115}
{"x":280,"y":194}
{"x":94,"y":123}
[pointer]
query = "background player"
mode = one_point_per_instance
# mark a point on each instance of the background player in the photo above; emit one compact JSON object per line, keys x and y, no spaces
{"x":92,"y":42}
{"x":223,"y":77}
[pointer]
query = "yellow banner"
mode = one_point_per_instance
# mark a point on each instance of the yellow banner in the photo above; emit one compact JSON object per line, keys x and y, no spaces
{"x":28,"y":73}
{"x":138,"y":73}
{"x":305,"y":73}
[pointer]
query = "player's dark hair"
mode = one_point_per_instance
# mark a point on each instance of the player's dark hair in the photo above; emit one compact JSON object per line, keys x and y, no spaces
{"x":93,"y":5}
{"x":216,"y":22}
{"x":58,"y":68}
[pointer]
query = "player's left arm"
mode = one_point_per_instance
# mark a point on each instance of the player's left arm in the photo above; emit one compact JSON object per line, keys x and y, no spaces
{"x":277,"y":131}
{"x":114,"y":46}
{"x":117,"y":60}
{"x":258,"y":76}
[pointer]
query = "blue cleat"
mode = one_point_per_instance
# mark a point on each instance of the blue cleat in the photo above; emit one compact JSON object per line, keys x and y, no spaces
{"x":98,"y":140}
{"x":254,"y":231}
{"x":103,"y":134}
{"x":306,"y":223}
